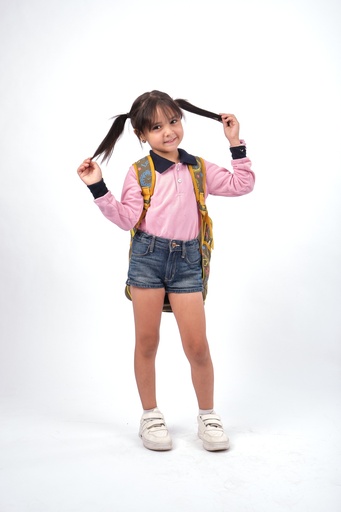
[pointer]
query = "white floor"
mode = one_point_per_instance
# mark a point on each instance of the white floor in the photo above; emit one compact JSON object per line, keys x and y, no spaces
{"x":64,"y":463}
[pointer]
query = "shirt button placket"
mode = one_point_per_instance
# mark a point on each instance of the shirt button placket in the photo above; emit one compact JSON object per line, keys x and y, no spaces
{"x":178,"y":179}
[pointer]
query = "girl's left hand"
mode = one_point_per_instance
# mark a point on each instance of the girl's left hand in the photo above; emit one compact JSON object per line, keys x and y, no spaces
{"x":231,"y":128}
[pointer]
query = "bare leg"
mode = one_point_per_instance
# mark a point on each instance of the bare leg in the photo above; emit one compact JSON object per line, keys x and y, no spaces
{"x":189,"y":312}
{"x":147,"y":304}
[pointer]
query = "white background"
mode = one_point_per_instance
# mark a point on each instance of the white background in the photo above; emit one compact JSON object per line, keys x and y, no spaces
{"x":69,"y":405}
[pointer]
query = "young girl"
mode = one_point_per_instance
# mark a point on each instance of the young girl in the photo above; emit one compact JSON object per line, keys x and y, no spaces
{"x":165,"y":254}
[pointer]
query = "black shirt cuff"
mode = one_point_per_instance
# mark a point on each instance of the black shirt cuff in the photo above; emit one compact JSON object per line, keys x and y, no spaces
{"x":238,"y":152}
{"x":98,"y":189}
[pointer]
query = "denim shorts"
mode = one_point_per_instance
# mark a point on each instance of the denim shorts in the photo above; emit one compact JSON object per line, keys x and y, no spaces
{"x":157,"y":262}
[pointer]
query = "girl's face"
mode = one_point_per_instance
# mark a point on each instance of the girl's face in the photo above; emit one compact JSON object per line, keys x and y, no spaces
{"x":165,"y":135}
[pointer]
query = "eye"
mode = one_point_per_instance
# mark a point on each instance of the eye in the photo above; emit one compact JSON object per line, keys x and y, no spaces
{"x":174,"y":121}
{"x":156,"y":127}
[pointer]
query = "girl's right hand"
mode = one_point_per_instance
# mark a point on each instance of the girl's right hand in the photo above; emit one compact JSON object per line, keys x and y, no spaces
{"x":89,"y":172}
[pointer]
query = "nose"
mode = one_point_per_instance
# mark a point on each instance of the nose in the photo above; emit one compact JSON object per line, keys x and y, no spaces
{"x":168,"y":128}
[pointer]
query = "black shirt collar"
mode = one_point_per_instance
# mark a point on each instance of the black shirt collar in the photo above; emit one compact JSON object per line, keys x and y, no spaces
{"x":162,"y":164}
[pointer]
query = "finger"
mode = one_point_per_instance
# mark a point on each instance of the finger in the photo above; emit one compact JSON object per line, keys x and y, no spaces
{"x":86,"y":162}
{"x":83,"y":169}
{"x":225,"y":114}
{"x":227,"y":119}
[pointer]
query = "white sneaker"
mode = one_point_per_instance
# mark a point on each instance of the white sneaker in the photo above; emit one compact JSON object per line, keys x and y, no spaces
{"x":212,"y":433}
{"x":154,"y":432}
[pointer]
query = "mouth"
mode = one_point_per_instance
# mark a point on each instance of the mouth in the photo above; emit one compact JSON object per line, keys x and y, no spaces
{"x":170,"y":141}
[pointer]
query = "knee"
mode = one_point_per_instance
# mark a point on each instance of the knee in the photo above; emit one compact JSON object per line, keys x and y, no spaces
{"x":146,"y":345}
{"x":198,"y":352}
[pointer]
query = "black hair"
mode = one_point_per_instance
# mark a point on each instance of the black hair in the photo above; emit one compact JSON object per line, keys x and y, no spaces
{"x":142,"y":116}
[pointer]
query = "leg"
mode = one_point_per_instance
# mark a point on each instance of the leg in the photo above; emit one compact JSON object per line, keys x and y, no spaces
{"x":188,"y":309}
{"x":147,"y":305}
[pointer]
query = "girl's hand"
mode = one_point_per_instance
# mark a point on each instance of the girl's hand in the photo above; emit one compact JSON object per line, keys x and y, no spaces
{"x":231,"y":129}
{"x":89,"y":172}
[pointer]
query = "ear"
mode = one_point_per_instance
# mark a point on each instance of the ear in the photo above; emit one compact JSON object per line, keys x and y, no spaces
{"x":140,"y":136}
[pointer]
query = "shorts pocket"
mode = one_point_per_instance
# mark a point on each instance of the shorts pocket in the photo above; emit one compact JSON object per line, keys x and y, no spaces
{"x":193,"y":256}
{"x":140,"y":247}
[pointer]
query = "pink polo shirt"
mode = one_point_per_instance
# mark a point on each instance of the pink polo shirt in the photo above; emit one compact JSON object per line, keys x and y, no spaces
{"x":173,"y":212}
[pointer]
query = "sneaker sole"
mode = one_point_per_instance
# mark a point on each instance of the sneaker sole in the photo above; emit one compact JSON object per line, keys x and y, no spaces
{"x":158,"y":447}
{"x":215,"y":447}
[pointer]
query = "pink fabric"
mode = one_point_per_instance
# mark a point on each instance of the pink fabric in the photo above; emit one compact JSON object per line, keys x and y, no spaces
{"x":173,"y":212}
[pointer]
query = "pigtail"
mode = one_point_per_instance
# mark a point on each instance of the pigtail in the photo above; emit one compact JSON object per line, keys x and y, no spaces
{"x":185,"y":105}
{"x":107,"y":145}
{"x":142,"y":115}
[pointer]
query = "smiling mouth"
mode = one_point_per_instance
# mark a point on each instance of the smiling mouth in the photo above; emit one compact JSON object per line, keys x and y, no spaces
{"x":170,"y":141}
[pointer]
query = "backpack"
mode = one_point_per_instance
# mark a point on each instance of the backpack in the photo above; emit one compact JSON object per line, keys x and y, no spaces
{"x":145,"y":172}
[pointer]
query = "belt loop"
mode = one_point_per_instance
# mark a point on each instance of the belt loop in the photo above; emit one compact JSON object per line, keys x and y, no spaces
{"x":183,"y":251}
{"x":151,"y":248}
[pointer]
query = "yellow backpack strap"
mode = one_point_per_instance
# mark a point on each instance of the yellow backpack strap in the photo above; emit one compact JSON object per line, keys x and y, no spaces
{"x":145,"y":173}
{"x":198,"y":173}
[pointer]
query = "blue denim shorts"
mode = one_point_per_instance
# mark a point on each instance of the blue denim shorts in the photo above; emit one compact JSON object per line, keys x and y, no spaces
{"x":157,"y":262}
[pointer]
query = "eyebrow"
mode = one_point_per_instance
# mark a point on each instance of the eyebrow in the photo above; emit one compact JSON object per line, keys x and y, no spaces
{"x":174,"y":116}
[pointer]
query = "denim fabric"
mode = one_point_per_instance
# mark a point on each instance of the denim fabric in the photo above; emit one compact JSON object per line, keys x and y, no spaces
{"x":157,"y":262}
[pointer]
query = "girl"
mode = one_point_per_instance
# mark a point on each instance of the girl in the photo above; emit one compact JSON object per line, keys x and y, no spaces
{"x":165,"y":254}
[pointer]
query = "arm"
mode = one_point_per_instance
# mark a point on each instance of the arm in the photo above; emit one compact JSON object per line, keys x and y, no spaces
{"x":222,"y":182}
{"x":124,"y":213}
